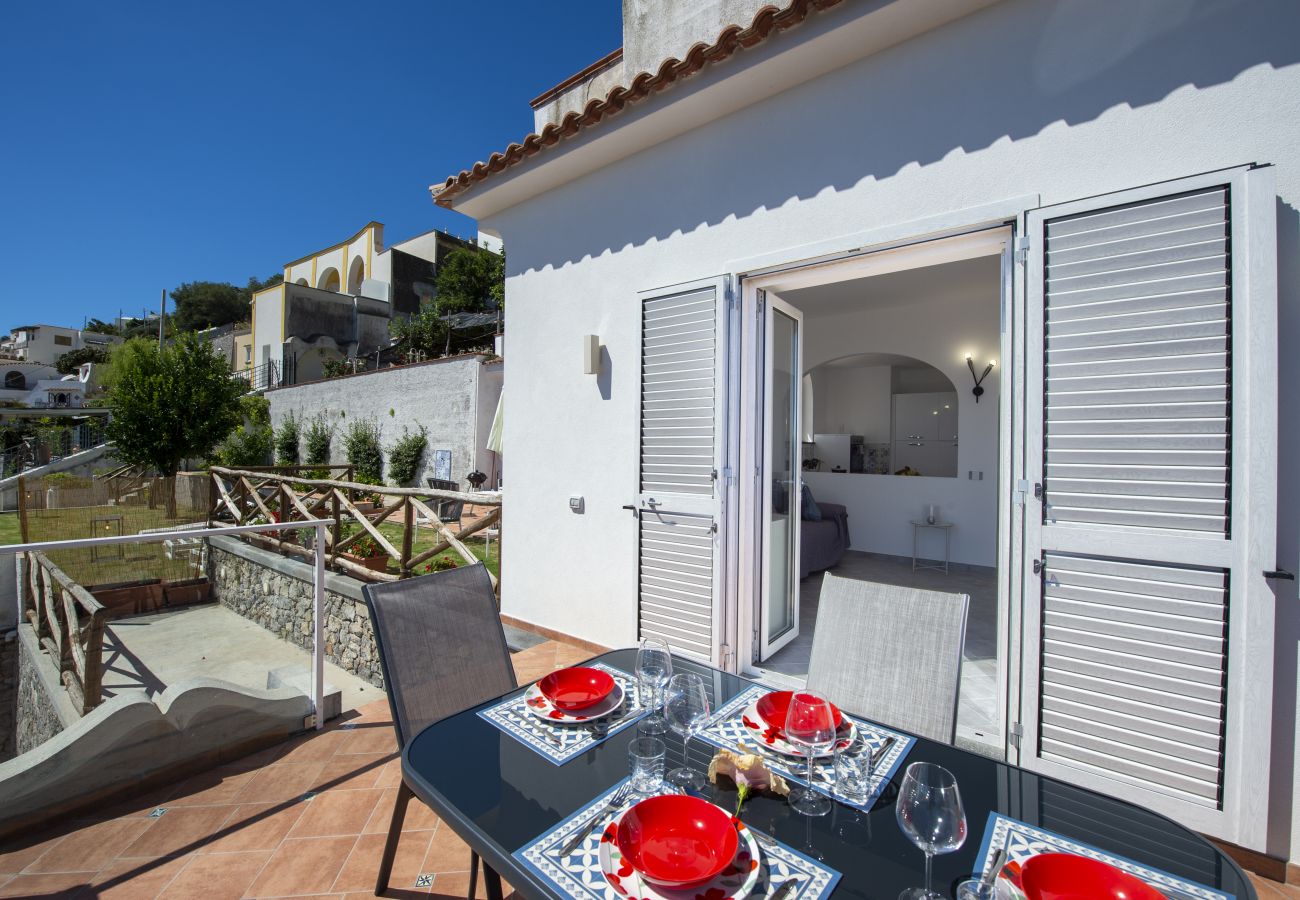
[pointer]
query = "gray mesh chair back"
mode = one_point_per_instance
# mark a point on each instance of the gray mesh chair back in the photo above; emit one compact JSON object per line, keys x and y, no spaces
{"x":447,"y":510}
{"x":891,"y":654}
{"x":441,"y":645}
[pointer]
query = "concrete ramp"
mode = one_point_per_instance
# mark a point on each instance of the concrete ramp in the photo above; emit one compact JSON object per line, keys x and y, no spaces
{"x":133,"y":740}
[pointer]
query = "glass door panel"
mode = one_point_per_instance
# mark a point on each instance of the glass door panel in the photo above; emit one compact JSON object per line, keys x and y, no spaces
{"x":779,"y":619}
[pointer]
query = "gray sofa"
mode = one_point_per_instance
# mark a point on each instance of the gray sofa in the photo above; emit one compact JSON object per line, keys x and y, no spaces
{"x":822,"y":544}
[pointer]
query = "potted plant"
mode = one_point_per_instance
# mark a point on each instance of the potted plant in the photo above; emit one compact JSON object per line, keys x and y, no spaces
{"x":365,"y":551}
{"x":367,"y":502}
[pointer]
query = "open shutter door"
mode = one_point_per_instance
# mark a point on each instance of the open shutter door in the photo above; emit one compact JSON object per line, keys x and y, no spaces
{"x":1151,"y":429}
{"x":679,"y":505}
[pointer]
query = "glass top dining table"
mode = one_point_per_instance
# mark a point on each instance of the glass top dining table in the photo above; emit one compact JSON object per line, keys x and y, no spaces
{"x":498,"y":795}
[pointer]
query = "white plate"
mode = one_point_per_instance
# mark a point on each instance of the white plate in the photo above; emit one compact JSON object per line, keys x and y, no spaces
{"x":768,"y":738}
{"x":737,"y":881}
{"x":537,"y":704}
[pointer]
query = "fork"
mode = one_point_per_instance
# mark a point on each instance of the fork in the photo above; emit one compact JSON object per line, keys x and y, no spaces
{"x":581,"y":834}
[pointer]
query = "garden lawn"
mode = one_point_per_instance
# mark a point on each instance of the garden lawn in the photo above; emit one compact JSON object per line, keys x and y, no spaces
{"x":110,"y":565}
{"x":10,"y":532}
{"x":426,"y":537}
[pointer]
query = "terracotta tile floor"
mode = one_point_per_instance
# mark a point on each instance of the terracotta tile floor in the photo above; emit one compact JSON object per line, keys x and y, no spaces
{"x":305,"y":818}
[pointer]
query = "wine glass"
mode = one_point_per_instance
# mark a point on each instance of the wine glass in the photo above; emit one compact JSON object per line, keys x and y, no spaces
{"x":654,"y":666}
{"x":686,"y":707}
{"x":810,"y":724}
{"x":930,"y":813}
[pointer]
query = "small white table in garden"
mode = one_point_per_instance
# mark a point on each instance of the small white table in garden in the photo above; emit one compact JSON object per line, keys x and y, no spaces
{"x":946,"y":528}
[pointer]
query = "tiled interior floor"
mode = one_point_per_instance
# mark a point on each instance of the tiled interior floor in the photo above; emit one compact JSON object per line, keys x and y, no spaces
{"x":305,"y":818}
{"x":977,"y":707}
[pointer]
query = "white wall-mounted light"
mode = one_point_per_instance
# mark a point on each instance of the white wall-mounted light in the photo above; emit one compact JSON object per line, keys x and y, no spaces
{"x":591,"y":354}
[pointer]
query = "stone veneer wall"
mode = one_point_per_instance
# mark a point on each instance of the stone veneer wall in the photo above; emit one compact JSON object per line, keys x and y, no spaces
{"x":276,"y":593}
{"x":8,"y":694}
{"x":43,"y":706}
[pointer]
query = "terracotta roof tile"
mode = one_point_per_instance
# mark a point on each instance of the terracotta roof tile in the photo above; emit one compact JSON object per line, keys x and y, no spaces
{"x":768,"y":21}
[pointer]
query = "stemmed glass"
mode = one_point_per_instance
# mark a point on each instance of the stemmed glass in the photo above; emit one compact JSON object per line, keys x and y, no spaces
{"x":686,"y":707}
{"x":810,"y":724}
{"x":930,"y":813}
{"x":654,"y":666}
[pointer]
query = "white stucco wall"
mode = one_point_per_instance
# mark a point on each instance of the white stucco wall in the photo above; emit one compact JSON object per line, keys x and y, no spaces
{"x":1063,"y":100}
{"x":445,"y":396}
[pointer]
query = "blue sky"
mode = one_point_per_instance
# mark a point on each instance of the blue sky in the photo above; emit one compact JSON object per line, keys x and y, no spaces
{"x":149,"y":144}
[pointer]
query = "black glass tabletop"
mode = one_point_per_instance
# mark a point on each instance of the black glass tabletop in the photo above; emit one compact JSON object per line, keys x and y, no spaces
{"x":499,"y":794}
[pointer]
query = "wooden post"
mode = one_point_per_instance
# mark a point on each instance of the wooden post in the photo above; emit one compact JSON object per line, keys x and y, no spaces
{"x":408,"y":537}
{"x":22,"y":507}
{"x":336,"y":529}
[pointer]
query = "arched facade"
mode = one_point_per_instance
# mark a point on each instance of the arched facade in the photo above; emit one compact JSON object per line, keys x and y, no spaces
{"x":329,"y":280}
{"x":15,"y":381}
{"x":356,"y":274}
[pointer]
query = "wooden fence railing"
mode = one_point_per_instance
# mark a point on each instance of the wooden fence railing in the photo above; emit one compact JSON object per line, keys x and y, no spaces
{"x":242,"y":496}
{"x":70,"y":625}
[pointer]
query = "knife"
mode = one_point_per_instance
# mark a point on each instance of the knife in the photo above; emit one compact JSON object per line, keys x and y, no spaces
{"x":991,"y":873}
{"x":787,"y":888}
{"x":880,"y":752}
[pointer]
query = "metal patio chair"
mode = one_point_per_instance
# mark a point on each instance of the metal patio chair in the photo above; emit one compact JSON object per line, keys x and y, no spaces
{"x":443,"y":650}
{"x":891,"y":654}
{"x":448,"y":511}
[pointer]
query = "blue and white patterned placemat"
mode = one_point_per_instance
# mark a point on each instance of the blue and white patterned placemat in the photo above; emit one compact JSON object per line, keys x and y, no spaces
{"x":1023,"y":841}
{"x":729,"y":732}
{"x":561,"y":743}
{"x":578,"y":874}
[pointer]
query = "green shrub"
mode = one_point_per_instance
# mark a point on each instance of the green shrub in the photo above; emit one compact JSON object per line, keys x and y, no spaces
{"x":286,"y":441}
{"x":317,"y":441}
{"x":404,"y":456}
{"x":251,"y":442}
{"x":364,"y":452}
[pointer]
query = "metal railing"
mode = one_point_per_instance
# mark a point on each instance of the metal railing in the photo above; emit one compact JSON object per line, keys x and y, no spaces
{"x":262,"y":377}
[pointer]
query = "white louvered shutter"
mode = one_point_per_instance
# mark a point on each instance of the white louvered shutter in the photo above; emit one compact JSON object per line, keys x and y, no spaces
{"x":679,"y":506}
{"x":1151,"y":431}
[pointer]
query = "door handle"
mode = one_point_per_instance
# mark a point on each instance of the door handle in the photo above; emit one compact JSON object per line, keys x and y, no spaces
{"x":1280,"y":574}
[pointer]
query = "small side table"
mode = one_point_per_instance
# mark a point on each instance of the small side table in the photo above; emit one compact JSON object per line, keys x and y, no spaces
{"x":946,"y":528}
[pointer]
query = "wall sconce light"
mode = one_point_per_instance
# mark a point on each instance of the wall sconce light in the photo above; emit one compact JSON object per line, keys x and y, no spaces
{"x":978,"y":390}
{"x":591,"y":354}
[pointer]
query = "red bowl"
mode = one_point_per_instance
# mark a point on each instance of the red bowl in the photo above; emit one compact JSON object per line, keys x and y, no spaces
{"x":775,"y":706}
{"x":677,"y":841}
{"x":1065,"y":876}
{"x":576,"y":688}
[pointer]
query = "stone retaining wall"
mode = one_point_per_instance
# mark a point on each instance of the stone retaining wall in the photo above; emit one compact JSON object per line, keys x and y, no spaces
{"x":43,"y":708}
{"x":276,"y":593}
{"x":8,"y":693}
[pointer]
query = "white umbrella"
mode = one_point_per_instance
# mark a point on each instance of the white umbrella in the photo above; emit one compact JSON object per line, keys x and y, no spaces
{"x":494,"y":435}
